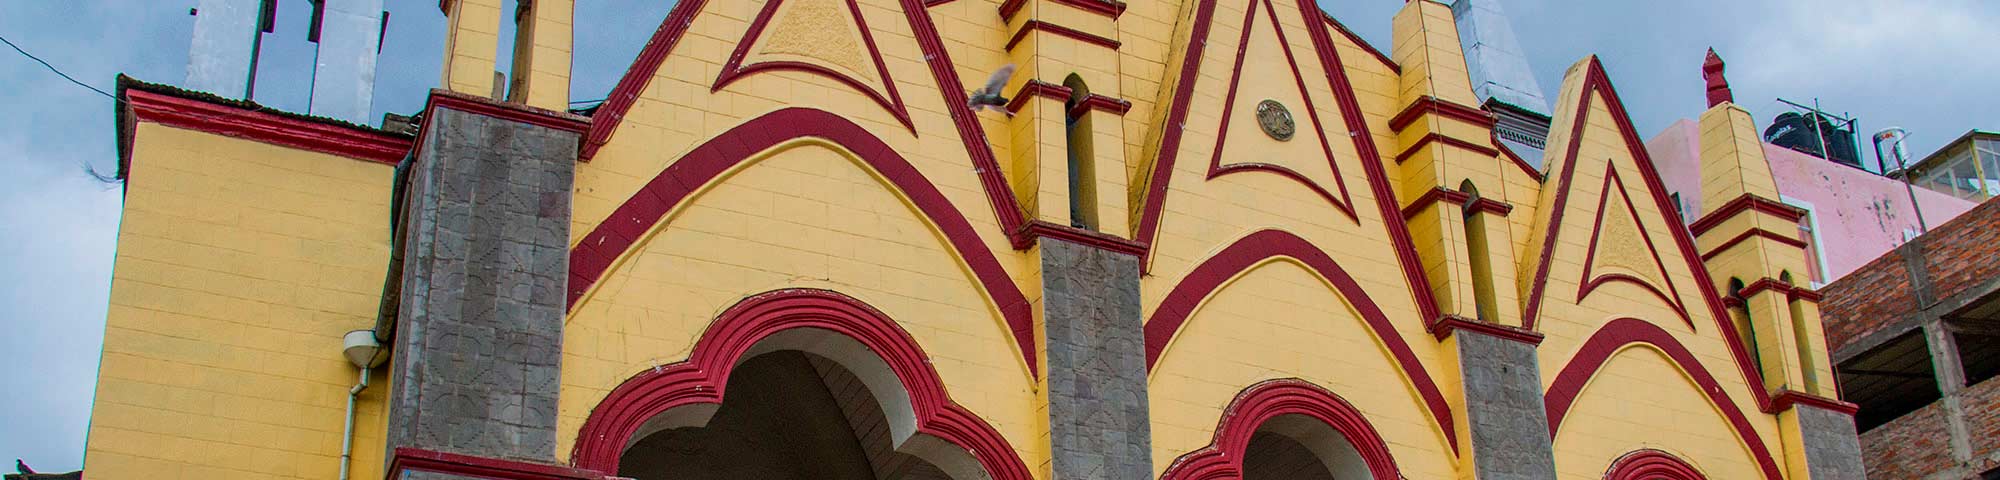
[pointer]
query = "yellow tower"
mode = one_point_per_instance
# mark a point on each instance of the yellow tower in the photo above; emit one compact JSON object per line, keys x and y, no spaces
{"x":542,"y":42}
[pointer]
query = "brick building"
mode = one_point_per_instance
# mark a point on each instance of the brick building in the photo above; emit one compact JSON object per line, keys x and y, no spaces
{"x":1206,"y":239}
{"x":1916,"y":336}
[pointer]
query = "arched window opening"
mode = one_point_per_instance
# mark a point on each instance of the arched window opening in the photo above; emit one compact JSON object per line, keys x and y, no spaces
{"x":1739,"y":312}
{"x":1082,"y":162}
{"x":1289,"y":429}
{"x":1479,"y":253}
{"x":1650,"y":464}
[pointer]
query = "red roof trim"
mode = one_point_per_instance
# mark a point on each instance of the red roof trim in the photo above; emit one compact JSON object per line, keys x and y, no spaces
{"x":1448,"y":324}
{"x":1791,"y":292}
{"x":1208,"y":277}
{"x":1588,"y":283}
{"x":1443,"y":108}
{"x":735,"y":70}
{"x":1365,"y":46}
{"x":1751,"y":233}
{"x":1743,"y":202}
{"x":407,"y":459}
{"x":1786,"y":399}
{"x":563,"y":121}
{"x":626,"y":93}
{"x":1038,"y":229}
{"x":627,"y":226}
{"x":702,"y":378}
{"x":1518,"y":162}
{"x":1037,"y":88}
{"x":1618,"y":334}
{"x":238,"y":122}
{"x":1223,"y":458}
{"x":1484,"y":150}
{"x":1454,"y":197}
{"x":1108,"y":8}
{"x":1059,"y":30}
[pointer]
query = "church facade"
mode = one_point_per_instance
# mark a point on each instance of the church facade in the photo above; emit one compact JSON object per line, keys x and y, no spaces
{"x":1205,"y":239}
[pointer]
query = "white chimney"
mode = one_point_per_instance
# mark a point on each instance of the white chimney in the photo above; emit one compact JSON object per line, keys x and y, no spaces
{"x":350,"y":37}
{"x":223,"y":57}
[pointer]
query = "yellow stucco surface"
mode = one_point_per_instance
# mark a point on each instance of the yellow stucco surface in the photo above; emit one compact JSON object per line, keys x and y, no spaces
{"x":239,"y":267}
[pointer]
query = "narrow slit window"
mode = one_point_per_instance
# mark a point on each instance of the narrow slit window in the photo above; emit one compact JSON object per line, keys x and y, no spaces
{"x":1082,"y":164}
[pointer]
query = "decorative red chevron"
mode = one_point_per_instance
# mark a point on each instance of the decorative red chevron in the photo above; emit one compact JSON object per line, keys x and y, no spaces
{"x":1215,"y":166}
{"x":735,"y":69}
{"x":1591,"y":279}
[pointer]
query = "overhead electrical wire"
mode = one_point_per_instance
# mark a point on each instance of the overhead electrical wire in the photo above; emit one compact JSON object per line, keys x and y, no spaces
{"x":52,"y":68}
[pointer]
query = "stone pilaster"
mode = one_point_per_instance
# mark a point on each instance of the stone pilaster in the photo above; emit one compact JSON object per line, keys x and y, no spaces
{"x":1832,"y":449}
{"x":1503,"y":405}
{"x":1098,"y":422}
{"x":486,"y":258}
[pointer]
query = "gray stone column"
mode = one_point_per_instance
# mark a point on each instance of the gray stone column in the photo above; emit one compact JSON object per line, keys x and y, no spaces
{"x":1503,"y":405}
{"x":1833,"y":451}
{"x":479,"y":332}
{"x":1096,"y":352}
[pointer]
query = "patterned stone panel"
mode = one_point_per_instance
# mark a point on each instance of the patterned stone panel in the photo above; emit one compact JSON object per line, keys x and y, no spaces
{"x":1503,"y":401}
{"x":1098,"y":419}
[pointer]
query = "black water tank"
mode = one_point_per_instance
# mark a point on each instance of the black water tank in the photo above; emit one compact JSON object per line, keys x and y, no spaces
{"x":1808,"y":132}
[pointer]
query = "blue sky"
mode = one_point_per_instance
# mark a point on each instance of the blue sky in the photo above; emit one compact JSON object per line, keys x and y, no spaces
{"x":1920,"y":64}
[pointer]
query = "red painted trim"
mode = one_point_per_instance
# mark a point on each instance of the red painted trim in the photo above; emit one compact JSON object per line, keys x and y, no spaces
{"x":444,"y":6}
{"x":408,"y":459}
{"x":563,"y":121}
{"x":627,"y":226}
{"x":1790,"y":292}
{"x":253,"y":125}
{"x":735,"y":70}
{"x":1518,"y":162}
{"x":1442,"y":108}
{"x":1114,"y":106}
{"x":1208,"y":277}
{"x":1446,"y":140}
{"x":1596,"y":81}
{"x":1038,"y":229}
{"x":1745,"y":202}
{"x":1448,"y":324}
{"x":1037,"y":88}
{"x":1365,"y":46}
{"x":1618,"y":334}
{"x":1006,"y":209}
{"x":1216,"y":168}
{"x":1650,"y":464}
{"x":1223,"y":458}
{"x":704,"y":378}
{"x":1371,"y":165}
{"x":1588,"y":282}
{"x":1747,"y":235}
{"x":1059,"y":30}
{"x":1786,"y":399}
{"x":1108,"y":8}
{"x":1454,"y":197}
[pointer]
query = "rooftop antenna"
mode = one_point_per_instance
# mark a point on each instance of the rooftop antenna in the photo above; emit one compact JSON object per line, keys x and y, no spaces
{"x":1897,"y":135}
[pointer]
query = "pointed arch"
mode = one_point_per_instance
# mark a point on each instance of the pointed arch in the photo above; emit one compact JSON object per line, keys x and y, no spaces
{"x":1216,"y":168}
{"x":1651,"y":464}
{"x":1619,"y":334}
{"x":1253,"y":250}
{"x":1271,"y":401}
{"x":1591,"y":279}
{"x":684,"y":392}
{"x":627,"y":226}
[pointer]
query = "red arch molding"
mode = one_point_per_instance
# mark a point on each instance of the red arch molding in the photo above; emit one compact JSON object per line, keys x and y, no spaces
{"x":1619,"y":333}
{"x":1650,"y":464}
{"x":1265,"y":244}
{"x":627,"y":225}
{"x":1223,"y":459}
{"x":704,"y":377}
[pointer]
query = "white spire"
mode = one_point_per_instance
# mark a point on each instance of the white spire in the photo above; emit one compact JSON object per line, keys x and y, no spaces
{"x":1499,"y":70}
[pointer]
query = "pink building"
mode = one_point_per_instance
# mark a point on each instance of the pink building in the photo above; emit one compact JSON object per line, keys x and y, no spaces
{"x":1853,"y":215}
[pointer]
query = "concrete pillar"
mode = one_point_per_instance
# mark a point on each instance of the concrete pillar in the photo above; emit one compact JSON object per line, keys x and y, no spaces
{"x":343,"y":82}
{"x":223,"y":52}
{"x":1095,"y":348}
{"x":1508,"y":423}
{"x":486,"y":258}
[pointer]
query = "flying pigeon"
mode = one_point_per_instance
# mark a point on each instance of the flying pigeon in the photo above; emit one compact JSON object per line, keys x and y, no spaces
{"x":989,"y":96}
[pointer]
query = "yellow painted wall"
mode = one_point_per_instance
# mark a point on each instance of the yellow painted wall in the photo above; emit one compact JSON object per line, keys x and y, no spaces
{"x":1640,"y":399}
{"x":239,"y":267}
{"x":1281,"y":320}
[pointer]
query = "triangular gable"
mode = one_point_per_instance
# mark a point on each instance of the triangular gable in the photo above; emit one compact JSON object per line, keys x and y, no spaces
{"x":1151,"y":198}
{"x":1621,"y":251}
{"x":822,"y":37}
{"x":1573,"y":116}
{"x":1300,"y":161}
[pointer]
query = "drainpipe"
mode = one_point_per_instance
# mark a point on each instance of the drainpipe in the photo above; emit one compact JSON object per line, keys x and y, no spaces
{"x":360,"y":348}
{"x":1898,"y":134}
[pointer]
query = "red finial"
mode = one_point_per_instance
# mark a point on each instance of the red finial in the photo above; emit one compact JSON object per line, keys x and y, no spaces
{"x":1718,"y":87}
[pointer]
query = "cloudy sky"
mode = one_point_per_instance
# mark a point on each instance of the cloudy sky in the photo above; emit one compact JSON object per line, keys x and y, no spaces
{"x":1920,"y":64}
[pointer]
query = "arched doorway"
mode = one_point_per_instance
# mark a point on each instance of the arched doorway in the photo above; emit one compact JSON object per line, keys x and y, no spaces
{"x":794,"y":384}
{"x":1289,"y":429}
{"x":1650,"y":464}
